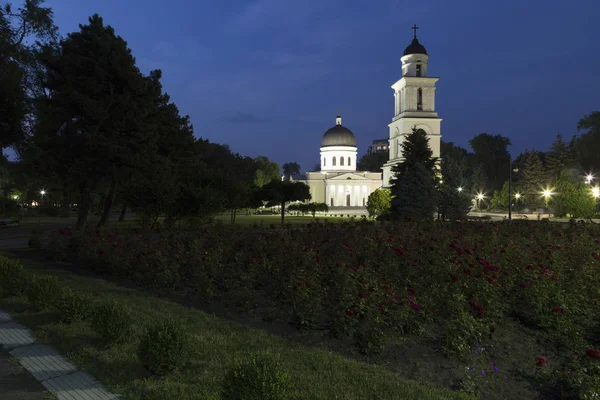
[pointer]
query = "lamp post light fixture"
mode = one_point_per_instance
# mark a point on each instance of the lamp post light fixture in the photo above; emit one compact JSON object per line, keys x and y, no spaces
{"x":510,"y":171}
{"x":596,"y":192}
{"x":480,"y":196}
{"x":460,"y":189}
{"x":547,"y":193}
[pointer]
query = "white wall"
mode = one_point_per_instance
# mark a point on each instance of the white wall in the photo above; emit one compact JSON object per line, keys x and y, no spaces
{"x":339,"y":152}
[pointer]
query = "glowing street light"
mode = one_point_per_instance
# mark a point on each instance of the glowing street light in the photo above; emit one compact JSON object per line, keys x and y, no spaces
{"x":589,"y":178}
{"x":547,"y":194}
{"x":596,"y":192}
{"x":517,"y":196}
{"x":42,"y":192}
{"x":460,"y":189}
{"x":479,"y":197}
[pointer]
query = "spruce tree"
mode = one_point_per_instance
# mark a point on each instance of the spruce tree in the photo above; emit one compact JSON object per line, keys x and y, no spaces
{"x":559,"y":158}
{"x":414,"y":182}
{"x":534,"y":179}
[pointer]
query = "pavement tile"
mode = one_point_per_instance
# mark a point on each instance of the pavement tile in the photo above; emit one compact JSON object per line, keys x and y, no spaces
{"x":43,"y":361}
{"x":13,"y":335}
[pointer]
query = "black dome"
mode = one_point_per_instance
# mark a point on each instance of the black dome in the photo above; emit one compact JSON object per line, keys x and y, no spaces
{"x":415,"y":48}
{"x":338,"y":136}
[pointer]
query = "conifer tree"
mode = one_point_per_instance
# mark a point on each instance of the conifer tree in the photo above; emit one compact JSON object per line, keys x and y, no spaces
{"x":534,"y":179}
{"x":414,"y":182}
{"x":559,"y":158}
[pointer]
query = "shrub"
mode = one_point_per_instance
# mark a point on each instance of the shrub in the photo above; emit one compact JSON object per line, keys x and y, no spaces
{"x":44,"y":292}
{"x":163,"y":347}
{"x":73,"y":306}
{"x":14,"y":279}
{"x":111,"y":320}
{"x":259,"y":379}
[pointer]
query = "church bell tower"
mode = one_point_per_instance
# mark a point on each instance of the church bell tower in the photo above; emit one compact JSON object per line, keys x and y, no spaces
{"x":414,"y":105}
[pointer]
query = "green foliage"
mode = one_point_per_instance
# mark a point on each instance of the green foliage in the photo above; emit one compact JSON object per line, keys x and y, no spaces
{"x":261,"y":378}
{"x":500,"y":199}
{"x":534,"y":179}
{"x":491,"y":153}
{"x":379,"y":202}
{"x":561,"y":157}
{"x":415,"y":195}
{"x":413,"y":186}
{"x":573,"y":197}
{"x":163,"y":347}
{"x":454,"y":201}
{"x":14,"y":279}
{"x":111,"y":320}
{"x":372,"y":161}
{"x":312,"y":208}
{"x":9,"y":208}
{"x":73,"y":306}
{"x":44,"y":292}
{"x":279,"y":192}
{"x":588,"y":143}
{"x":30,"y":23}
{"x":267,"y":171}
{"x":291,"y":170}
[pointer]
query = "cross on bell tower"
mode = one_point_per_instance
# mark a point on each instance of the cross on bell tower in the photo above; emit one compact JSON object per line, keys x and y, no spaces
{"x":414,"y":28}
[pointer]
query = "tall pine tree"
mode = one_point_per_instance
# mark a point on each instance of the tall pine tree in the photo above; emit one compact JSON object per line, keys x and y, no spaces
{"x":559,"y":158}
{"x":534,"y":179}
{"x":414,"y":182}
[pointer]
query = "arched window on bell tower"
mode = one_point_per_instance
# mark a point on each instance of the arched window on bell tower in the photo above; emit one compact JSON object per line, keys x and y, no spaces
{"x":341,"y":161}
{"x":349,"y":162}
{"x":419,"y":73}
{"x":333,"y":161}
{"x":324,"y":161}
{"x":420,"y":99}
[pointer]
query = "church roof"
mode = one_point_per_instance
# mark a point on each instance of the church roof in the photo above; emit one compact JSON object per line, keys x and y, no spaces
{"x":415,"y":48}
{"x":338,"y":136}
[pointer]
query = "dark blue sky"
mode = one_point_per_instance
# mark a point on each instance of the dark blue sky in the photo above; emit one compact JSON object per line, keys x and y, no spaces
{"x":267,"y":77}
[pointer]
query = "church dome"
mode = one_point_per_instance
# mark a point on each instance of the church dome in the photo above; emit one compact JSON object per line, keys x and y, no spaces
{"x":415,"y":48}
{"x":338,"y":136}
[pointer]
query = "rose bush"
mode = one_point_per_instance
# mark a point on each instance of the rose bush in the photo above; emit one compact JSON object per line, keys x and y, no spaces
{"x":374,"y":281}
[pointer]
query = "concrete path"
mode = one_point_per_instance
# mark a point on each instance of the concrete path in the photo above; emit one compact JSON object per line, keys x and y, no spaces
{"x":57,"y":375}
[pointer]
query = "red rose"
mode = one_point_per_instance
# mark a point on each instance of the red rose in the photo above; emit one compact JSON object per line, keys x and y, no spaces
{"x":558,"y":309}
{"x":592,"y":353}
{"x":541,"y":361}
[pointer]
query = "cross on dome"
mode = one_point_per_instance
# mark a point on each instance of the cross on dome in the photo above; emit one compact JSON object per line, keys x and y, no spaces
{"x":414,"y":28}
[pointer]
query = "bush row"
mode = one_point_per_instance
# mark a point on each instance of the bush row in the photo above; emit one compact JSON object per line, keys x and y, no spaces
{"x":163,"y":347}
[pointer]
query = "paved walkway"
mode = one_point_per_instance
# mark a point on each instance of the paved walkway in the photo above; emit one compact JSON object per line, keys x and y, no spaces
{"x":56,"y":374}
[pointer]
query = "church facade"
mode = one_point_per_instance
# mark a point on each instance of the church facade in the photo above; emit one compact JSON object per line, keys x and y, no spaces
{"x":338,"y":183}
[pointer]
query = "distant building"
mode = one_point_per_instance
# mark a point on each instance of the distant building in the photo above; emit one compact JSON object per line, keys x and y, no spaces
{"x":379,"y":146}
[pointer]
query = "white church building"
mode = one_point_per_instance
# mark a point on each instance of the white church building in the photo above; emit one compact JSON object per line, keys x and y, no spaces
{"x":339,"y":184}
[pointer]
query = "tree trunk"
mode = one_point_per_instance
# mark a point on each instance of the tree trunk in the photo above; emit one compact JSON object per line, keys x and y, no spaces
{"x":234,"y":215}
{"x":123,"y":211}
{"x":85,"y":203}
{"x":108,"y":201}
{"x":282,"y":211}
{"x":65,"y":206}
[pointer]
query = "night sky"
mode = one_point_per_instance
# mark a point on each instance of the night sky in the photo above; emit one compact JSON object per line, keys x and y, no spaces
{"x":268,"y":77}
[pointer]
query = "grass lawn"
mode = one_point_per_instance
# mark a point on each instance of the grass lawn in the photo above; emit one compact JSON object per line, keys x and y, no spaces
{"x":317,"y":374}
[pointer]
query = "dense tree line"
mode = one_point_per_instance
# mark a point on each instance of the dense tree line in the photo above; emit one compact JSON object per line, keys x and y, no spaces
{"x":93,"y":130}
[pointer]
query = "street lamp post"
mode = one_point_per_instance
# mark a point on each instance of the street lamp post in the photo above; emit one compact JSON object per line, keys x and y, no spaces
{"x":510,"y":171}
{"x":42,"y":192}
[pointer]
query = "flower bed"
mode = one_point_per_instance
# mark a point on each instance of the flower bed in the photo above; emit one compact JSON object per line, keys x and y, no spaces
{"x":374,"y":282}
